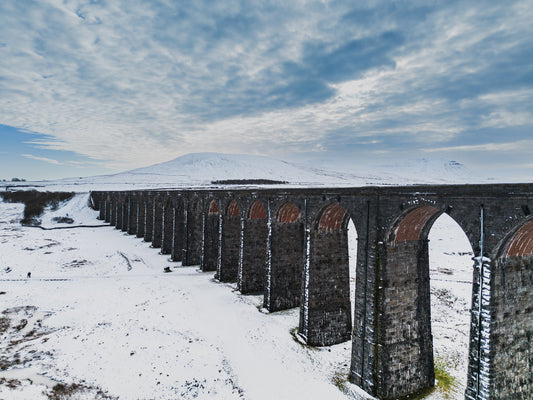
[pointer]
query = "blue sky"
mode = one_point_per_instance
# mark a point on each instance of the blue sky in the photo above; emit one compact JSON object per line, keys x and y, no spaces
{"x":92,"y":87}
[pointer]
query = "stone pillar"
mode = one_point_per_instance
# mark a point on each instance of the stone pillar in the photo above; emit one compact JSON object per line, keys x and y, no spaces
{"x":125,"y":213}
{"x":120,"y":212}
{"x":168,"y":228}
{"x":254,"y":252}
{"x":148,"y":218}
{"x":211,"y":240}
{"x":158,"y":222}
{"x":133,"y":214}
{"x":406,"y":345}
{"x":326,"y":312}
{"x":177,"y":236}
{"x":284,"y":274}
{"x":193,"y":242}
{"x":101,"y":206}
{"x":228,"y":265}
{"x":113,"y":210}
{"x":108,"y":206}
{"x":141,"y":216}
{"x":506,"y":349}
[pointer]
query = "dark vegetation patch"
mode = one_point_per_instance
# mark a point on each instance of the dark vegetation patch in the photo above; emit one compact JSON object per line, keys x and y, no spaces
{"x":63,"y":220}
{"x":63,"y":391}
{"x":10,"y":383}
{"x":35,"y":202}
{"x":248,"y":182}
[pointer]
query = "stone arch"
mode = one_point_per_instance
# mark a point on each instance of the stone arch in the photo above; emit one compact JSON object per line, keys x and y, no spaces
{"x":287,"y":255}
{"x":193,"y":252}
{"x":257,"y":210}
{"x":326,"y":317}
{"x":168,"y":226}
{"x":233,"y":209}
{"x":414,"y":224}
{"x":288,"y":213}
{"x":520,"y":243}
{"x":179,"y":225}
{"x":407,"y":301}
{"x":230,"y":242}
{"x":406,"y":311}
{"x":211,"y":236}
{"x":251,"y":277}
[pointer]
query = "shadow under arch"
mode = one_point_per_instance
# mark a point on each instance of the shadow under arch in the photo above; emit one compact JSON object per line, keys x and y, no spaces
{"x":285,"y":260}
{"x":326,"y":316}
{"x":251,"y":276}
{"x":230,"y":241}
{"x":211,"y":236}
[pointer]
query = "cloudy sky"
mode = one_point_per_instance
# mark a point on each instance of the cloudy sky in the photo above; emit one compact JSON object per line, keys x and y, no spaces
{"x":89,"y":86}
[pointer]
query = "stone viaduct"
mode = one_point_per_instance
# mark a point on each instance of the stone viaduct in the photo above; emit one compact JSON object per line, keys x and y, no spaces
{"x":291,"y":245}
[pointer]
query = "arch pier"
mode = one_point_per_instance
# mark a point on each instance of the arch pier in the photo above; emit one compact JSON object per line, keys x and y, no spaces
{"x":291,"y":244}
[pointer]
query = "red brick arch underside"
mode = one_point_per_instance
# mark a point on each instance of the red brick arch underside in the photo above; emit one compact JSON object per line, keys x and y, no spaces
{"x":288,"y":214}
{"x":233,"y":209}
{"x":213,"y":207}
{"x":332,"y":218}
{"x":257,"y":211}
{"x":412,"y":224}
{"x":521,"y":244}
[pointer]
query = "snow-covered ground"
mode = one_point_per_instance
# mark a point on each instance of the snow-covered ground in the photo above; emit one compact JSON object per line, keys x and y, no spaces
{"x":100,"y":316}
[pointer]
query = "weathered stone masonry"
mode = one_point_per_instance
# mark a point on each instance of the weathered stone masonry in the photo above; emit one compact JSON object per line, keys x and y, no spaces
{"x":292,"y":245}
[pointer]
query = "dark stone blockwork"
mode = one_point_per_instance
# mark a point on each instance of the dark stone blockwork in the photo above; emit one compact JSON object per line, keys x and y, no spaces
{"x":211,"y":237}
{"x":252,"y":264}
{"x":228,"y":264}
{"x":293,"y":243}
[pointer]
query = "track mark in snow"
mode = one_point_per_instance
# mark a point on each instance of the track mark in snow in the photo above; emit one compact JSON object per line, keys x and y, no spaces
{"x":127,"y":260}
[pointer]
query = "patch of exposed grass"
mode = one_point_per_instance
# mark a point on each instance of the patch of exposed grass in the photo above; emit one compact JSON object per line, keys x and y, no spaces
{"x":446,"y":383}
{"x":298,"y":339}
{"x":340,"y":380}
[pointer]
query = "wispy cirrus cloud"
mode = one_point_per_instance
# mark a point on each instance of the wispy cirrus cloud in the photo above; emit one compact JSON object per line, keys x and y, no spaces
{"x":78,"y":164}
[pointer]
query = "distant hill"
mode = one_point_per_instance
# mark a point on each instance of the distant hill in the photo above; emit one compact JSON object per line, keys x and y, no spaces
{"x":215,"y":169}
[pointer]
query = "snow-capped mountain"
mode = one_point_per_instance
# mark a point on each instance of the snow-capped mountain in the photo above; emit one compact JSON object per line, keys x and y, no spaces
{"x":202,"y":169}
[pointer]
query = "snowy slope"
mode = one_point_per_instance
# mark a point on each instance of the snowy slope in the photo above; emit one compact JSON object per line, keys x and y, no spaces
{"x":200,"y":169}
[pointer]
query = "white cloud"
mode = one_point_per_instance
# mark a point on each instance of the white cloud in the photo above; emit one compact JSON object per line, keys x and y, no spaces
{"x":125,"y":83}
{"x":44,"y":159}
{"x":518,"y":146}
